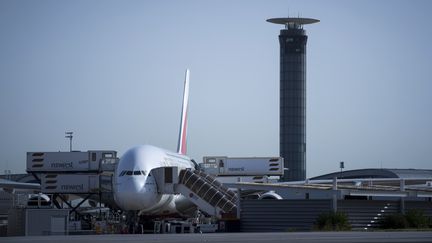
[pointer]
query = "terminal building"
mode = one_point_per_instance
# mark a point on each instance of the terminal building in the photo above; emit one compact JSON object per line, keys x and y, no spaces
{"x":378,"y":173}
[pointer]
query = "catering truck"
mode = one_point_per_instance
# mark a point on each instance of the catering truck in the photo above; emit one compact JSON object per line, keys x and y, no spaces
{"x":242,"y":166}
{"x":71,"y":162}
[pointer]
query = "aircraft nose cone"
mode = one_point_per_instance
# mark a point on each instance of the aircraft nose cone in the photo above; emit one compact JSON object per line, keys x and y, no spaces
{"x":128,"y":194}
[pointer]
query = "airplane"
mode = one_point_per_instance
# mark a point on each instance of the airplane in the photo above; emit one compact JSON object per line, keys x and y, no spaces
{"x":135,"y":186}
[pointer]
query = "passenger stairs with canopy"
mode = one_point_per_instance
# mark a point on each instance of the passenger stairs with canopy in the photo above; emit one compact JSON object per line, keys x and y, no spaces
{"x":203,"y":190}
{"x":207,"y":193}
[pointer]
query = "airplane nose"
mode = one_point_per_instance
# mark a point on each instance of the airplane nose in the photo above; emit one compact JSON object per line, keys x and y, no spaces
{"x":127,"y":194}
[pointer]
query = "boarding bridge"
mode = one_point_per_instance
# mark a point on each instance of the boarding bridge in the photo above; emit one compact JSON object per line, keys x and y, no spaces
{"x":203,"y":190}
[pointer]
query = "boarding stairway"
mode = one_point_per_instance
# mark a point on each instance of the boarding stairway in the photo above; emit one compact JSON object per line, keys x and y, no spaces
{"x":207,"y":193}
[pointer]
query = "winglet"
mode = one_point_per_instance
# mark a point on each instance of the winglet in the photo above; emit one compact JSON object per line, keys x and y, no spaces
{"x":181,"y":147}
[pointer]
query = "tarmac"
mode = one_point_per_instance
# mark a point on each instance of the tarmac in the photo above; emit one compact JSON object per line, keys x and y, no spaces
{"x":348,"y":237}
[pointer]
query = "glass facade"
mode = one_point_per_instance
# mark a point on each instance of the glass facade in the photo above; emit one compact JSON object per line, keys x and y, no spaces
{"x":292,"y":137}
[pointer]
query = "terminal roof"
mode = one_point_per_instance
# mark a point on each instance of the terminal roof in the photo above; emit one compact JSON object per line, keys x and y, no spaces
{"x":378,"y":173}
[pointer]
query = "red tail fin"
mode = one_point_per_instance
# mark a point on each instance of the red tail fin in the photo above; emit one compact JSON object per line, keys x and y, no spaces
{"x":181,"y":147}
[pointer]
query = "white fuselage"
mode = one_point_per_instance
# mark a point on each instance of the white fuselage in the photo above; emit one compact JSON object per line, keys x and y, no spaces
{"x":135,"y":186}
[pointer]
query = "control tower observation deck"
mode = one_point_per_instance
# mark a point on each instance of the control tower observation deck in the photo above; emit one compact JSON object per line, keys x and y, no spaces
{"x":292,"y":133}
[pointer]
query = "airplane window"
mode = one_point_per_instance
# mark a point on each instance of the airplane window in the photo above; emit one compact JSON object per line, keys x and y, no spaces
{"x":143,"y":172}
{"x":129,"y":172}
{"x":137,"y":172}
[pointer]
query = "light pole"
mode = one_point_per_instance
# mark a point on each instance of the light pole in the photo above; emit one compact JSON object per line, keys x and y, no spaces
{"x":341,"y":166}
{"x":70,"y":136}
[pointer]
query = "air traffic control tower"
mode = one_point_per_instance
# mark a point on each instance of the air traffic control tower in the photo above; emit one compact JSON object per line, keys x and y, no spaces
{"x":292,"y":133}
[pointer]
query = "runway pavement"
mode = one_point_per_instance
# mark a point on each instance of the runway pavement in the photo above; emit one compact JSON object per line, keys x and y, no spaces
{"x":327,"y":237}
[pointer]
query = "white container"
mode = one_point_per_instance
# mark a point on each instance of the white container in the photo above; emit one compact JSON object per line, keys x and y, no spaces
{"x":63,"y":162}
{"x":242,"y":166}
{"x":69,"y":183}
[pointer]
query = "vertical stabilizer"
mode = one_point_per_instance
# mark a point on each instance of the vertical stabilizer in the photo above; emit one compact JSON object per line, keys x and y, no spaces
{"x":181,"y":147}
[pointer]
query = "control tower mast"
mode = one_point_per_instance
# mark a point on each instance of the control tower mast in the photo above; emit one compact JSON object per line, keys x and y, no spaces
{"x":292,"y":133}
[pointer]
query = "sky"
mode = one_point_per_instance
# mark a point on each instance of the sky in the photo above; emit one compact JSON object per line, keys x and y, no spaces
{"x":112,"y":72}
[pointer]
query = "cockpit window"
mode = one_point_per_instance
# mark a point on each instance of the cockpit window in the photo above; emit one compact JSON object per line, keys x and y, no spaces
{"x":130,"y":172}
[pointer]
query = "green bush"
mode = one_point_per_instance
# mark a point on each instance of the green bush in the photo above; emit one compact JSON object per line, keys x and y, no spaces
{"x":394,"y":221}
{"x":411,"y":219}
{"x":332,"y":221}
{"x":417,"y":219}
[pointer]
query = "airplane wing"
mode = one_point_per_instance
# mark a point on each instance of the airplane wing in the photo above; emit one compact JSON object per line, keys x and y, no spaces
{"x":8,"y":184}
